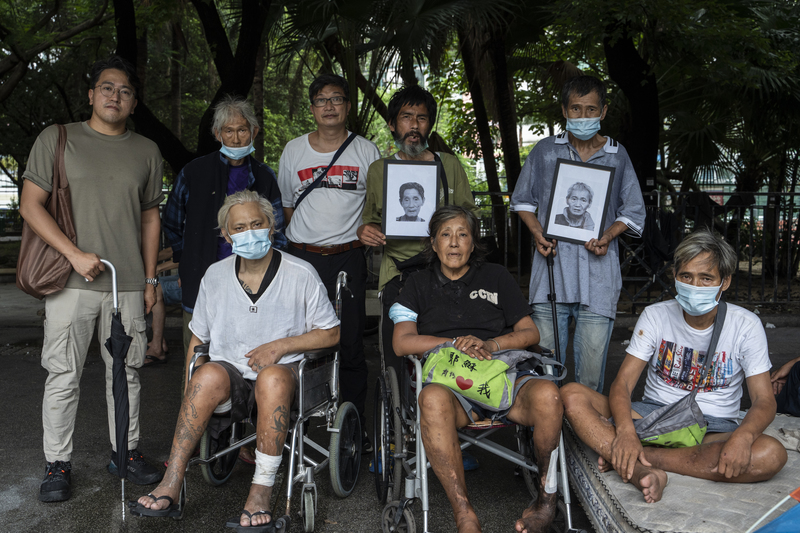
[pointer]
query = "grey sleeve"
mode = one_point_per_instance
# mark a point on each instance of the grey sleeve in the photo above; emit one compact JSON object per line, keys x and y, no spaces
{"x":631,"y":209}
{"x":524,"y":198}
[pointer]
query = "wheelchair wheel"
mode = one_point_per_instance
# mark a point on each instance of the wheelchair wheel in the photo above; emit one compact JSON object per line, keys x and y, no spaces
{"x":525,"y":446}
{"x":308,"y":511}
{"x":405,"y":524}
{"x":219,"y":471}
{"x":387,"y":436}
{"x":345,"y":450}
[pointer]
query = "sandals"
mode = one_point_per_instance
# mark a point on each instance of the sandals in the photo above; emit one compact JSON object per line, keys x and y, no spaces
{"x":173,"y":511}
{"x":263,"y":528}
{"x":152,"y":360}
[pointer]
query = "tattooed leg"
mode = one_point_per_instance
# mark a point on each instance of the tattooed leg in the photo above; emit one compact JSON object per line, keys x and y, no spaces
{"x":275,"y":389}
{"x":208,"y":388}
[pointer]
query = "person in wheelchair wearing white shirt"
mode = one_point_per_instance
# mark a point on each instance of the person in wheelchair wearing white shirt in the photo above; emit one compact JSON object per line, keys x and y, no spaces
{"x":480,"y":308}
{"x":258,"y":310}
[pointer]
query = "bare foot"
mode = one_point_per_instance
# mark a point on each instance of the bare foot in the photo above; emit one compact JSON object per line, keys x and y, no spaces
{"x":538,"y":517}
{"x":603,"y":465}
{"x":257,"y":500}
{"x":652,"y":482}
{"x":150,"y":502}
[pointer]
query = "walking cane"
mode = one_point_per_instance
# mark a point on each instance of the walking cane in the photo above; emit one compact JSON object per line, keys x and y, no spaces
{"x":552,"y":298}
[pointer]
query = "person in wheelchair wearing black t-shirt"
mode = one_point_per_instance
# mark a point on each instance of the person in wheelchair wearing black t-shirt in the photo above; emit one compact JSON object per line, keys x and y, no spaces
{"x":480,"y":308}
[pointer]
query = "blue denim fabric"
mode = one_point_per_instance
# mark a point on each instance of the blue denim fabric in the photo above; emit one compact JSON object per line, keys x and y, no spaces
{"x":170,"y":289}
{"x":589,"y":344}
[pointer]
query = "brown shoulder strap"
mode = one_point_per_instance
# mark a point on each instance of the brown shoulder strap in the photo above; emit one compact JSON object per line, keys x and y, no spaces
{"x":59,"y":170}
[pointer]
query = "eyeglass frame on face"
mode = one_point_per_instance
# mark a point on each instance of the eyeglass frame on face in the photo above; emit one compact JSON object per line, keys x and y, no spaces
{"x":108,"y":86}
{"x":324,"y":101}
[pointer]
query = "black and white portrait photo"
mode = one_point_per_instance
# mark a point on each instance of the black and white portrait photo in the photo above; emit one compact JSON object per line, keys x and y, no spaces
{"x":410,"y":191}
{"x":578,"y":201}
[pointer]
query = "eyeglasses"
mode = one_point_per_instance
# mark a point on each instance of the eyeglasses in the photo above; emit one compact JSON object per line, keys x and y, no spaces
{"x":335,"y":100}
{"x":108,"y":91}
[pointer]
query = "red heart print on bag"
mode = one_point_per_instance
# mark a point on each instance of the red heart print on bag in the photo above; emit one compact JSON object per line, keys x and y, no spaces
{"x":463,"y":384}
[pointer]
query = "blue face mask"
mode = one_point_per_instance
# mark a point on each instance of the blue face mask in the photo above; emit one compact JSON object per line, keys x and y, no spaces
{"x":251,"y":244}
{"x":696,"y":301}
{"x":583,"y":128}
{"x":237,"y":153}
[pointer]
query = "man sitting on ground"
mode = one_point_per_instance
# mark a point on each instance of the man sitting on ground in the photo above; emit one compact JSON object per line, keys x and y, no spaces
{"x":259,"y":310}
{"x":670,"y":340}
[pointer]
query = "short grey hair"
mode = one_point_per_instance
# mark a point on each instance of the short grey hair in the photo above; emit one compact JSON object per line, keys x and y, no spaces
{"x":702,"y":241}
{"x":228,"y":109}
{"x":579,"y":185}
{"x":240,"y":198}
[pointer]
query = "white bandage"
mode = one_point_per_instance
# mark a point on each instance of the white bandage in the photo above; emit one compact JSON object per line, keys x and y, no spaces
{"x":224,"y":407}
{"x":266,"y":468}
{"x":551,"y":482}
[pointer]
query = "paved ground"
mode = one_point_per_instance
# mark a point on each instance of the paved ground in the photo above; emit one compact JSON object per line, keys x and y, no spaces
{"x":498,"y":495}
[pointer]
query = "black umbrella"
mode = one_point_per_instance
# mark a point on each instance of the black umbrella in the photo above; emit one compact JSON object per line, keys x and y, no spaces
{"x":117,"y":345}
{"x":552,"y":298}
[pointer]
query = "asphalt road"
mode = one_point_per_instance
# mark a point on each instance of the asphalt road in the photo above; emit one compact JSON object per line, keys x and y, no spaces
{"x":498,"y":495}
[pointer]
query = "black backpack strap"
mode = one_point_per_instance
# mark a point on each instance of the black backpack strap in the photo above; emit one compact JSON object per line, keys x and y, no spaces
{"x":444,"y":178}
{"x":319,"y":179}
{"x":722,"y":310}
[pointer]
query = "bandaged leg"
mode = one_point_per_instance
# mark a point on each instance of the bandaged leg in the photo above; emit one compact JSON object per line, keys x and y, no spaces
{"x":551,"y":481}
{"x":266,"y":468}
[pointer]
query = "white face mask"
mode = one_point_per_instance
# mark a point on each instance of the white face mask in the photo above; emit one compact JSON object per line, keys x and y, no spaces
{"x":696,"y":301}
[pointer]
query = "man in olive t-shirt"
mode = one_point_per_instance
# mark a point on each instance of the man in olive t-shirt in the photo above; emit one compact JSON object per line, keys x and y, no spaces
{"x":115,"y":183}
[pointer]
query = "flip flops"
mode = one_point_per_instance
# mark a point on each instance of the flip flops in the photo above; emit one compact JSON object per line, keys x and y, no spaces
{"x":263,"y":528}
{"x":152,"y":360}
{"x":173,"y":511}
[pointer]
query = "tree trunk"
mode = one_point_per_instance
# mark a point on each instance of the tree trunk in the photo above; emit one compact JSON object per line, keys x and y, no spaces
{"x":484,"y":136}
{"x":506,"y":110}
{"x":258,"y":100}
{"x":175,"y":96}
{"x":634,"y":76}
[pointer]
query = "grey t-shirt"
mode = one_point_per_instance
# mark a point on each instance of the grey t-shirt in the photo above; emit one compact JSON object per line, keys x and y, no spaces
{"x":112,"y":179}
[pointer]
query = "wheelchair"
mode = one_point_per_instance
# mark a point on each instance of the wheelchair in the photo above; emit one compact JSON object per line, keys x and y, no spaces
{"x":401,"y":466}
{"x":318,"y":397}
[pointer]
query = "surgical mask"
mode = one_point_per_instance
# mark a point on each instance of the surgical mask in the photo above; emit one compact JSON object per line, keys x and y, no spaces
{"x":237,"y":153}
{"x":251,"y":244}
{"x":696,"y":301}
{"x":583,"y":128}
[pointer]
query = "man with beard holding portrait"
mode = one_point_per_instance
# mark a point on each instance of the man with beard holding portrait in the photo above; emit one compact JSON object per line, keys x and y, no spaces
{"x":412,"y":114}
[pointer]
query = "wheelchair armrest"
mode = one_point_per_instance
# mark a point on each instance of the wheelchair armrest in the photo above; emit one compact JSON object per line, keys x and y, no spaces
{"x":199,"y":357}
{"x":313,"y":355}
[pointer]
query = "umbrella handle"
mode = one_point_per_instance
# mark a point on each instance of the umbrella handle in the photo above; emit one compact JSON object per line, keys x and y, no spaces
{"x":113,"y":283}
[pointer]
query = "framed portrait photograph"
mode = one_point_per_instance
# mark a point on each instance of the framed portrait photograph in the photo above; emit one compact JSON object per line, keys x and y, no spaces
{"x":410,"y":196}
{"x":578,"y":201}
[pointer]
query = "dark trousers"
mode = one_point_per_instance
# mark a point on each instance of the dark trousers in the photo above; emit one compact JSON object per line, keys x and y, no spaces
{"x":388,"y":296}
{"x":789,"y":397}
{"x":352,"y":364}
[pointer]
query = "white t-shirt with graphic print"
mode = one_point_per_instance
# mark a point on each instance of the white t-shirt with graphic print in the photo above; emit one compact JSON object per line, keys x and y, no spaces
{"x":676,"y":353}
{"x":331,"y":213}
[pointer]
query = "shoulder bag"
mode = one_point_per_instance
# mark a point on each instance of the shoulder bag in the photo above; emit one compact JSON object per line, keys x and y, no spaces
{"x":41,"y":269}
{"x":681,"y":424}
{"x":321,"y":177}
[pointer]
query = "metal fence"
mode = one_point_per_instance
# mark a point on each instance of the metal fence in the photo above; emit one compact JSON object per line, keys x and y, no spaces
{"x":762,"y":228}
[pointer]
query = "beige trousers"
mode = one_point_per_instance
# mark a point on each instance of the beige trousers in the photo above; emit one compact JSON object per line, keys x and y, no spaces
{"x":70,"y":319}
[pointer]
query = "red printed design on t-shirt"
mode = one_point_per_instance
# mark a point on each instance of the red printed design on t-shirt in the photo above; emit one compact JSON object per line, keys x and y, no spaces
{"x":343,"y":177}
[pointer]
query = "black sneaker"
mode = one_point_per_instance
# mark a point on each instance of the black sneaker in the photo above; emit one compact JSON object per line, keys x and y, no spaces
{"x":366,"y":444}
{"x":56,"y":483}
{"x":139,"y":471}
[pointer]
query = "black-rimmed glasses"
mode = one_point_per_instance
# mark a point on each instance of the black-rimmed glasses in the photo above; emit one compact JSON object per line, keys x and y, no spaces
{"x":335,"y":100}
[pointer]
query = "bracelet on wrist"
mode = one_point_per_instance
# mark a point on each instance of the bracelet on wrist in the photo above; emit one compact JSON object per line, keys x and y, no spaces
{"x":496,"y":344}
